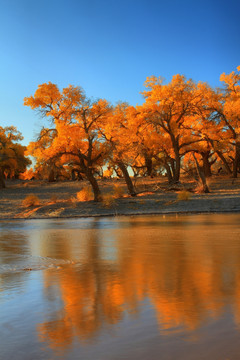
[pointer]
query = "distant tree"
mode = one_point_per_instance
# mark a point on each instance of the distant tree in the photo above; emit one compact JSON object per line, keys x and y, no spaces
{"x":12,"y":154}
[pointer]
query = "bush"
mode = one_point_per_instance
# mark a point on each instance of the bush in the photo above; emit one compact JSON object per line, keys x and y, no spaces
{"x":31,"y":200}
{"x":184,"y":195}
{"x":117,"y":191}
{"x":85,"y":194}
{"x":72,"y":200}
{"x":108,"y":200}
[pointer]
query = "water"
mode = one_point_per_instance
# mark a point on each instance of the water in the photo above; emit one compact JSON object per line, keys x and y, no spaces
{"x":121,"y":288}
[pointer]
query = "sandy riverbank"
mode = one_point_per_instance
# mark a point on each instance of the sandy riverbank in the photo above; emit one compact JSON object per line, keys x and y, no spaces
{"x":155,"y":197}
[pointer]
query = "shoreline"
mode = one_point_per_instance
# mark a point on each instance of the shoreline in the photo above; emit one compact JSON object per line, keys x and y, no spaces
{"x":182,"y":213}
{"x":155,"y":198}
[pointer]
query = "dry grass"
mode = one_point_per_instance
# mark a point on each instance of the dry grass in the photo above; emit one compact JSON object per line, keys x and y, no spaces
{"x":183,"y":195}
{"x":108,"y":200}
{"x":85,"y":194}
{"x":118,"y":191}
{"x":54,"y":199}
{"x":72,"y":200}
{"x":224,"y":190}
{"x":31,"y":200}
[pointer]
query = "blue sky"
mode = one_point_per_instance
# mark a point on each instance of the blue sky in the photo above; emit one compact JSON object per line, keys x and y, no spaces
{"x":109,"y":48}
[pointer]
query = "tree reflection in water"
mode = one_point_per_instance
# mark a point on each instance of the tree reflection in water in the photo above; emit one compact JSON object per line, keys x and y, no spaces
{"x":187,"y":276}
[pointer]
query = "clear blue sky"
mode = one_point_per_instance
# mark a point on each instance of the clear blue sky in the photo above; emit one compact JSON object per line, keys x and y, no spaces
{"x":109,"y":47}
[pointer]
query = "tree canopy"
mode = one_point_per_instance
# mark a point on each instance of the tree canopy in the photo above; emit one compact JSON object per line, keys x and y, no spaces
{"x":180,"y":122}
{"x":12,"y":154}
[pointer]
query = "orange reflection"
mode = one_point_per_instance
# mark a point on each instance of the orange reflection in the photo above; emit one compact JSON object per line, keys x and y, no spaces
{"x":186,"y":276}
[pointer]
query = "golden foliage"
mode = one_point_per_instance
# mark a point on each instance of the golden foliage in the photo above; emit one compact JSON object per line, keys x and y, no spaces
{"x":27,"y":175}
{"x":12,"y":154}
{"x":177,"y":118}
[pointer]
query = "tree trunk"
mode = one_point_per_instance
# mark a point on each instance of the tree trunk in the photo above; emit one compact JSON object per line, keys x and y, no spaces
{"x":73,"y":175}
{"x":225,"y":163}
{"x":80,"y":178}
{"x":51,"y":176}
{"x":201,"y":176}
{"x":118,"y":173}
{"x":127,"y":178}
{"x":206,"y":164}
{"x":94,"y":184}
{"x":2,"y":182}
{"x":236,"y":161}
{"x":148,"y":164}
{"x":177,"y":169}
{"x":169,"y":173}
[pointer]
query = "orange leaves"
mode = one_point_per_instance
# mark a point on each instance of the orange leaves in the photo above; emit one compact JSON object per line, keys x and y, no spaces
{"x":46,"y":94}
{"x":231,"y":80}
{"x":12,"y":154}
{"x":176,"y":117}
{"x":74,"y":138}
{"x":231,"y":102}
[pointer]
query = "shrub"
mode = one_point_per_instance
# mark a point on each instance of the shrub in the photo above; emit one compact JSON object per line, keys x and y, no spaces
{"x":72,"y":200}
{"x":31,"y":200}
{"x":108,"y":200}
{"x":117,"y":191}
{"x":184,"y":195}
{"x":85,"y":194}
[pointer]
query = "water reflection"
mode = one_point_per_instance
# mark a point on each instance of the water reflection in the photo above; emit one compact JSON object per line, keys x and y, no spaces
{"x":188,"y":273}
{"x":186,"y":270}
{"x":13,"y":248}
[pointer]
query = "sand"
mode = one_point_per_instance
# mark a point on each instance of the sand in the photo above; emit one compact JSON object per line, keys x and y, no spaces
{"x":58,"y":200}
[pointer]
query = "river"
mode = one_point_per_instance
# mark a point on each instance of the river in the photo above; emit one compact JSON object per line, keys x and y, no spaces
{"x":135,"y":288}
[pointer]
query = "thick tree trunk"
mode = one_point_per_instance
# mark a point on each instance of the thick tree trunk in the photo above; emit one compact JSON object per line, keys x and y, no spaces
{"x":148,"y":164}
{"x":169,"y":173}
{"x":94,"y":184}
{"x":236,"y":161}
{"x":206,"y":164}
{"x":127,"y":178}
{"x":2,"y":181}
{"x":73,"y":175}
{"x":88,"y":172}
{"x":225,"y":163}
{"x":201,"y":176}
{"x":177,"y":169}
{"x":51,"y":177}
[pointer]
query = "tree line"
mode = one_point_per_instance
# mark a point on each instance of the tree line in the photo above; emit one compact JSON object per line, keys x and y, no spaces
{"x":180,"y":125}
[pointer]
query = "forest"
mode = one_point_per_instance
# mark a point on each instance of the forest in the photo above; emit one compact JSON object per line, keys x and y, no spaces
{"x":182,"y":128}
